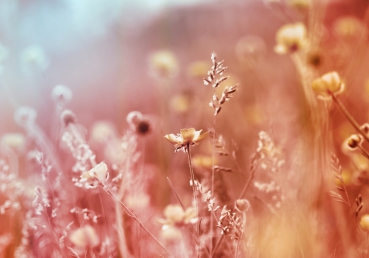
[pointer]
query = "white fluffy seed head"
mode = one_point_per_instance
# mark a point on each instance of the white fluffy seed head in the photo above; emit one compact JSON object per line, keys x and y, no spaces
{"x":24,"y":116}
{"x":61,"y":95}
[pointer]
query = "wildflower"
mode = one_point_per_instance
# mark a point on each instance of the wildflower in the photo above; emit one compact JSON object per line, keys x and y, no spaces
{"x":364,"y":222}
{"x":328,"y":84}
{"x":290,"y":38}
{"x":99,"y":172}
{"x":202,"y":161}
{"x":13,"y":141}
{"x":139,"y":124}
{"x":180,"y":103}
{"x":176,"y":216}
{"x":84,"y":237}
{"x":171,"y":234}
{"x":354,"y":141}
{"x":300,"y":4}
{"x":67,"y":117}
{"x":198,"y":69}
{"x":102,"y":132}
{"x":185,"y":138}
{"x":163,"y":64}
{"x":348,"y":27}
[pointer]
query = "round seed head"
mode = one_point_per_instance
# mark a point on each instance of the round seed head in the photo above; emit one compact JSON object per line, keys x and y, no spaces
{"x":67,"y":117}
{"x":242,"y":205}
{"x":25,"y":116}
{"x":61,"y":95}
{"x":354,"y":141}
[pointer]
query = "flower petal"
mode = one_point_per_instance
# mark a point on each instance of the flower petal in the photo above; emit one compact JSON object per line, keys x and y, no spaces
{"x":174,"y":139}
{"x":201,"y":137}
{"x":188,"y":135}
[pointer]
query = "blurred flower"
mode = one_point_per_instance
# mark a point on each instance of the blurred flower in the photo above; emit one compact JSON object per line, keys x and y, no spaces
{"x":102,"y":132}
{"x":84,"y":237}
{"x":290,"y":38}
{"x":202,"y":161}
{"x":139,"y":124}
{"x":137,"y":201}
{"x":171,"y":234}
{"x":348,"y":27}
{"x":25,"y":116}
{"x":61,"y":95}
{"x":329,"y":83}
{"x":33,"y":60}
{"x":176,"y":216}
{"x":185,"y":138}
{"x":198,"y":69}
{"x":354,"y":141}
{"x":99,"y":172}
{"x":163,"y":63}
{"x":13,"y":141}
{"x":364,"y":222}
{"x":180,"y":103}
{"x":300,"y":4}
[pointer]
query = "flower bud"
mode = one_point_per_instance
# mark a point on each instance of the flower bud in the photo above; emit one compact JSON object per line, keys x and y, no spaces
{"x":329,"y":83}
{"x":354,"y":141}
{"x":290,"y":38}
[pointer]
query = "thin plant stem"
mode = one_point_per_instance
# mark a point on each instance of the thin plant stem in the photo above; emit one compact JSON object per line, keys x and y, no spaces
{"x":217,"y":245}
{"x":247,"y":185}
{"x":212,"y":179}
{"x":349,"y":117}
{"x":133,"y":216}
{"x":175,"y":193}
{"x":192,"y":174}
{"x":103,"y":212}
{"x":193,"y":187}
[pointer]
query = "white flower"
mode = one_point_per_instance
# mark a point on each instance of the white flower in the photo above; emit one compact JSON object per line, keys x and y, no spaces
{"x":185,"y":138}
{"x":290,"y":38}
{"x":99,"y":172}
{"x":329,"y":83}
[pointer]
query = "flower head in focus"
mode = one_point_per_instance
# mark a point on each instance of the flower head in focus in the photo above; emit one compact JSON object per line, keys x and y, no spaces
{"x":327,"y":84}
{"x":290,"y":38}
{"x":97,"y":173}
{"x":185,"y":138}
